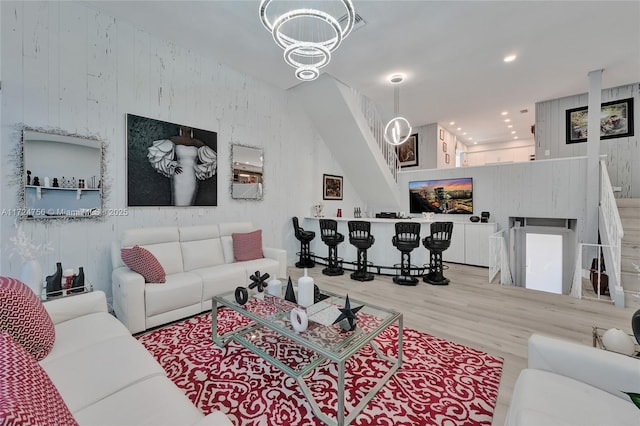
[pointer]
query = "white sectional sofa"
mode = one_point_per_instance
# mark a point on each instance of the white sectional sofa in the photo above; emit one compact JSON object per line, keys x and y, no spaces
{"x":199,"y":264}
{"x":105,"y":376}
{"x":571,"y":384}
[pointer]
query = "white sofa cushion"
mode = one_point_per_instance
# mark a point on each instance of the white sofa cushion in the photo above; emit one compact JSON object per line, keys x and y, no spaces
{"x":220,"y":279}
{"x":87,"y":375}
{"x":155,"y":401}
{"x":201,"y":254}
{"x":543,"y":398}
{"x":181,"y":289}
{"x":76,"y":334}
{"x":227,"y":248}
{"x":169,"y":255}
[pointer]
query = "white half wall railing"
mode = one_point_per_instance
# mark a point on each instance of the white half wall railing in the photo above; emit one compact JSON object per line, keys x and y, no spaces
{"x":611,"y":233}
{"x":376,"y":125}
{"x":584,"y":269}
{"x":499,"y":259}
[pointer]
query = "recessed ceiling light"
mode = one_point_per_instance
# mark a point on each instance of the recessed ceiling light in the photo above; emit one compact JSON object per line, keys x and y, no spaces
{"x":510,"y":126}
{"x":507,"y":120}
{"x":459,"y":128}
{"x":470,"y":138}
{"x":504,"y":113}
{"x":451,"y":123}
{"x":515,"y":137}
{"x":513,"y":132}
{"x":510,"y":58}
{"x":464,"y":133}
{"x":475,"y":143}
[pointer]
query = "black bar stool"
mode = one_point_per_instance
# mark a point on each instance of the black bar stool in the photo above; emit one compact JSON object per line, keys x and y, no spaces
{"x":305,"y":237}
{"x":331,"y":237}
{"x":360,"y":237}
{"x":436,"y":243}
{"x":406,"y":239}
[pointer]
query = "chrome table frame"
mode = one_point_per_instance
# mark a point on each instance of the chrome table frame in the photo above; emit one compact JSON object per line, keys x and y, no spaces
{"x":345,"y":350}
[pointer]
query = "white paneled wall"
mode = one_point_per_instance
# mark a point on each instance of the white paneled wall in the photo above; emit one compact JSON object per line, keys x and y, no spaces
{"x":622,"y":154}
{"x":545,"y":189}
{"x":70,"y":67}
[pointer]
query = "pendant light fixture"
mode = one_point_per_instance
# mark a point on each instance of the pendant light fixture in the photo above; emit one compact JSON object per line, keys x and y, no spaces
{"x":308,"y":35}
{"x":398,"y":129}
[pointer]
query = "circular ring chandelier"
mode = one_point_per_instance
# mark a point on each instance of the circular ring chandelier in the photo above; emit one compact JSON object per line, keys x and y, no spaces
{"x":397,"y":131}
{"x":307,"y":56}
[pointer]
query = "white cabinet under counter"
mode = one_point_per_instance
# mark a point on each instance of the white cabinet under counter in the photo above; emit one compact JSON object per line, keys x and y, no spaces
{"x":470,"y":243}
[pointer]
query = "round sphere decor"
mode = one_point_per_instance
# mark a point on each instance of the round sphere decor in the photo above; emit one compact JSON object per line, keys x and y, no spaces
{"x":635,"y":325}
{"x":617,"y":340}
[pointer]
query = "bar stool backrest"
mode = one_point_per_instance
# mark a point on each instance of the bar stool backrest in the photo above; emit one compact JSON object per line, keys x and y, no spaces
{"x":359,"y":229}
{"x":407,"y":235}
{"x":441,"y":231}
{"x":328,"y":228}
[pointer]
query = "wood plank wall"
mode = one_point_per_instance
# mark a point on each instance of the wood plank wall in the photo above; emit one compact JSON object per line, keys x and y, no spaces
{"x":68,"y":66}
{"x":622,"y":154}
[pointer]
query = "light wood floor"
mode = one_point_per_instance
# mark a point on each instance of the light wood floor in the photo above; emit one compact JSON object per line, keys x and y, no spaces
{"x":470,"y":311}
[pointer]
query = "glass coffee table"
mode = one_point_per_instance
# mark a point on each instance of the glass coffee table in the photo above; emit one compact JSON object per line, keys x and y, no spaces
{"x":267,"y":319}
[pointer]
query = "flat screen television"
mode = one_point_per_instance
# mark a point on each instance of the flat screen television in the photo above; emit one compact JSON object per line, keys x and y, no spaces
{"x":442,"y":196}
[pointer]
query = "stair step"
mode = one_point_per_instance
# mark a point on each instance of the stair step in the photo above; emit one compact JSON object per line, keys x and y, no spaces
{"x":631,"y":235}
{"x":632,"y":300}
{"x":629,"y":223}
{"x":630,"y":281}
{"x":626,"y":264}
{"x":629,"y":212}
{"x":628,"y":202}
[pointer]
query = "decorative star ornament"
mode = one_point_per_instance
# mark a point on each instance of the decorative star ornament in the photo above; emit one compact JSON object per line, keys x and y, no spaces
{"x":348,"y":314}
{"x":258,"y":281}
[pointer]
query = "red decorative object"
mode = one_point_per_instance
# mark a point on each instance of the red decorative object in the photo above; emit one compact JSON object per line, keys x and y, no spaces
{"x":142,"y":261}
{"x":27,"y":395}
{"x":247,"y":246}
{"x":440,"y":382}
{"x":24,"y":317}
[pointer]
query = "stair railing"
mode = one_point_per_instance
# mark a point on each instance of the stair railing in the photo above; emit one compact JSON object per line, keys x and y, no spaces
{"x":611,"y":233}
{"x":376,"y":125}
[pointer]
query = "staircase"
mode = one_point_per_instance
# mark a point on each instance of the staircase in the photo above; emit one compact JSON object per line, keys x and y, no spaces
{"x":629,"y":209}
{"x":346,"y":127}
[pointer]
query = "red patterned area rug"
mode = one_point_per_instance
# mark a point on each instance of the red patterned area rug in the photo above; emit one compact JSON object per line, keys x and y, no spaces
{"x":439,"y":383}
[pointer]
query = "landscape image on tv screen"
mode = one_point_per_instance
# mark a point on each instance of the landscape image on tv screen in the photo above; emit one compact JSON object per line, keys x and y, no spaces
{"x":443,"y":196}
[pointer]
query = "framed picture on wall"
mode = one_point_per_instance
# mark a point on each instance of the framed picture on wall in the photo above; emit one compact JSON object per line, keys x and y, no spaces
{"x":447,"y":158}
{"x":441,"y":134}
{"x":170,"y":164}
{"x":444,"y":147}
{"x":407,"y":152}
{"x":616,"y":121}
{"x":331,"y":187}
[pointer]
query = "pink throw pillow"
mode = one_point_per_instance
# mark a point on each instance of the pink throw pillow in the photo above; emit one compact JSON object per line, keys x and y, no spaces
{"x":24,"y":317}
{"x":142,"y":261}
{"x":27,"y":394}
{"x":247,"y":246}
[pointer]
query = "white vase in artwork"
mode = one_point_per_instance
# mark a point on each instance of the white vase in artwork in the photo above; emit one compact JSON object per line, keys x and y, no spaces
{"x":31,"y":274}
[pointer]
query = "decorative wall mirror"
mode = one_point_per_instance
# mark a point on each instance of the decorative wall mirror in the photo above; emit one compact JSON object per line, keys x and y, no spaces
{"x":62,"y":176}
{"x":247,"y":166}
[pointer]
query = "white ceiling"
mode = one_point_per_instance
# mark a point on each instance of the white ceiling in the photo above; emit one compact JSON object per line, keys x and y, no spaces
{"x":451,"y":51}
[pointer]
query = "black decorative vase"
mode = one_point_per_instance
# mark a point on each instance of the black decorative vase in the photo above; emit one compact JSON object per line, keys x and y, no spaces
{"x":635,"y":325}
{"x":77,"y":286}
{"x":54,"y":282}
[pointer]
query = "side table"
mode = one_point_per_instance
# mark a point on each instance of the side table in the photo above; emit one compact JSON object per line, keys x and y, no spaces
{"x":597,"y":341}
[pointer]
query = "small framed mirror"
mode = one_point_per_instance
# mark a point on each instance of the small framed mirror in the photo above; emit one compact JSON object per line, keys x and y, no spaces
{"x":247,"y":165}
{"x":62,"y":176}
